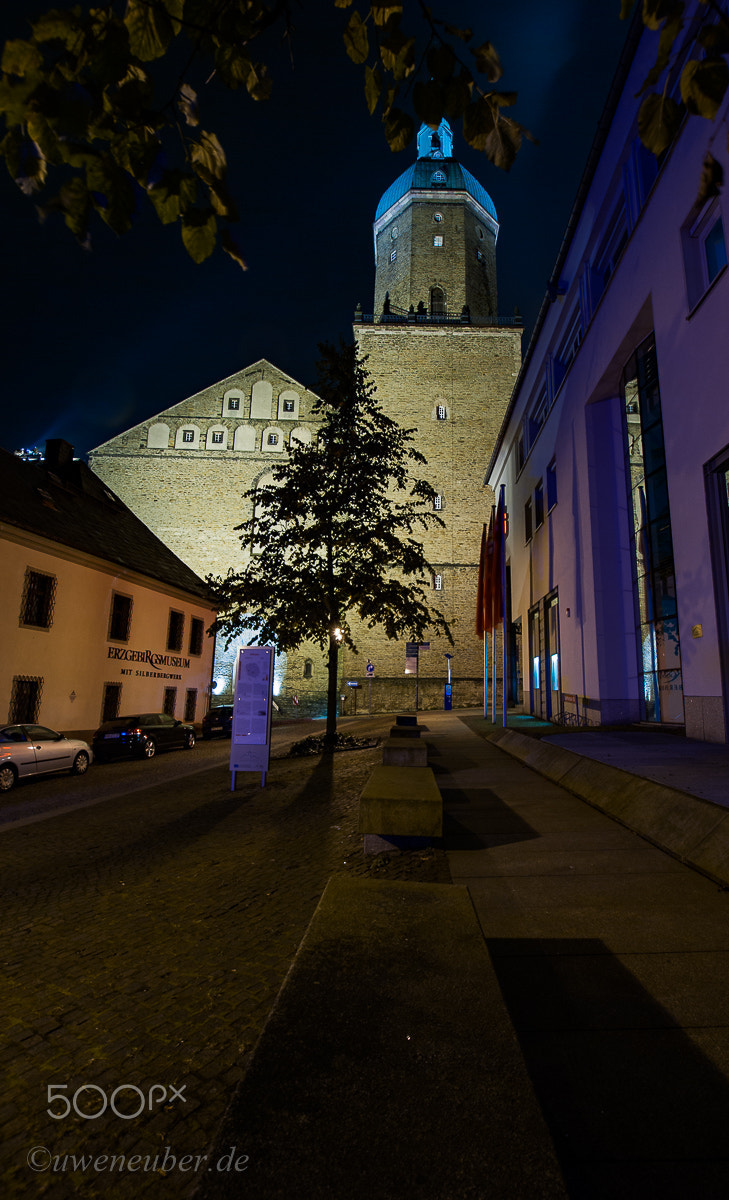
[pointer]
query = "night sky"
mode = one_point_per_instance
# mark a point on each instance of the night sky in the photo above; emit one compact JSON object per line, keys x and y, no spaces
{"x":93,"y":342}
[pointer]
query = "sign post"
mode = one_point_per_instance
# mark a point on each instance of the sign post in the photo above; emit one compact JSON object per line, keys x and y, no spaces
{"x":250,"y":742}
{"x":448,"y":695}
{"x":370,"y":669}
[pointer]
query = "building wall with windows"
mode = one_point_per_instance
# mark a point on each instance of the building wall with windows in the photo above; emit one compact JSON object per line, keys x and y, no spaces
{"x":70,"y":547}
{"x":615,"y":449}
{"x":184,"y":471}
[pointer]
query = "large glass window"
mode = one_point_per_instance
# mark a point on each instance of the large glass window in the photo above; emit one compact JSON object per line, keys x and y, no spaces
{"x":654,"y":580}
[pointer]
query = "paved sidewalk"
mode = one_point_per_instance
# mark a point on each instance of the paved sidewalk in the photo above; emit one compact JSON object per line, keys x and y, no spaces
{"x":613,"y":960}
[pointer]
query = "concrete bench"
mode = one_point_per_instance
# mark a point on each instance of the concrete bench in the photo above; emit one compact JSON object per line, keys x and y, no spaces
{"x":404,"y":752}
{"x":403,"y":801}
{"x":388,"y":1066}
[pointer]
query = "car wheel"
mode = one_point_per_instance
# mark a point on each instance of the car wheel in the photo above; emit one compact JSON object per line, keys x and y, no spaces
{"x":80,"y":763}
{"x":7,"y":778}
{"x":189,"y":741}
{"x":150,"y":748}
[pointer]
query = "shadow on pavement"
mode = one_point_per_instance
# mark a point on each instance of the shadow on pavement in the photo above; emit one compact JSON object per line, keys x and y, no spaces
{"x":633,"y":1105}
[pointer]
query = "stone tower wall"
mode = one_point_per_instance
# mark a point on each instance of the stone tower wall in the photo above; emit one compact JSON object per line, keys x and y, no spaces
{"x":464,"y":266}
{"x":469,"y":372}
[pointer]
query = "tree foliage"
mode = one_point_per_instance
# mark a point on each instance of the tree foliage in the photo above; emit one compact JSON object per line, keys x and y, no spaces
{"x":335,"y":535}
{"x":690,"y":66}
{"x":100,"y":112}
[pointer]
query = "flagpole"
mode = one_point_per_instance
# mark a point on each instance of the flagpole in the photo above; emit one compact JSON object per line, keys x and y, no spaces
{"x":485,"y":677}
{"x":503,"y":597}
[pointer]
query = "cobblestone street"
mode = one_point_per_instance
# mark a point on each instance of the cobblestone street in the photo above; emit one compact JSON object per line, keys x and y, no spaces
{"x":144,"y":941}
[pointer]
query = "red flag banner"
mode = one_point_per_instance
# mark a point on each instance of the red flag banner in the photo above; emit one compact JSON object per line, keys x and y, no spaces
{"x":497,"y":561}
{"x":484,"y":608}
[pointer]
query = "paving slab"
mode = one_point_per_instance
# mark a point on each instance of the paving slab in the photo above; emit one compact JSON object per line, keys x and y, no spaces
{"x":389,"y":1067}
{"x":613,"y":960}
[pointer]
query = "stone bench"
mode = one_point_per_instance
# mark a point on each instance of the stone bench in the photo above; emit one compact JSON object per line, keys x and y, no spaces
{"x":388,"y":1065}
{"x":401,"y":801}
{"x":404,"y":752}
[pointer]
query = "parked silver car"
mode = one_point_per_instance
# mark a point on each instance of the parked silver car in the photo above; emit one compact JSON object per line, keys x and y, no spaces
{"x":37,"y":750}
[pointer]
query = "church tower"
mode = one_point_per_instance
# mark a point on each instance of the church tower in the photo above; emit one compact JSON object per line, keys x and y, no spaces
{"x":435,"y":237}
{"x":445,"y":367}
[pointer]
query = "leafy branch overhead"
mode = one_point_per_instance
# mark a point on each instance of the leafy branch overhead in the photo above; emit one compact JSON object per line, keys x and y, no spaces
{"x":100,"y":113}
{"x":434,"y":69}
{"x":691,"y":63}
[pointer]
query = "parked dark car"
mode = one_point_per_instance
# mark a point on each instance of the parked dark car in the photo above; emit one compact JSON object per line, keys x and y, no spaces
{"x":141,"y":736}
{"x":37,"y":750}
{"x":218,"y":720}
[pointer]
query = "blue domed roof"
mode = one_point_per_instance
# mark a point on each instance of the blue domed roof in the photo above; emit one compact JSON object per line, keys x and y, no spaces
{"x":420,"y":176}
{"x":436,"y":169}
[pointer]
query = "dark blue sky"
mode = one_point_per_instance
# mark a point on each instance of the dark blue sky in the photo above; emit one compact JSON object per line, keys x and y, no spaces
{"x":93,"y":342}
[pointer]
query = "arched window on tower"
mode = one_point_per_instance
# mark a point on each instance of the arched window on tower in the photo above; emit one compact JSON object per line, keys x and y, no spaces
{"x":307,"y":668}
{"x":437,"y":302}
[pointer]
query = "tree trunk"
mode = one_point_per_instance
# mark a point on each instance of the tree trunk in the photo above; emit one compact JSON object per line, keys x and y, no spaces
{"x":332,"y":690}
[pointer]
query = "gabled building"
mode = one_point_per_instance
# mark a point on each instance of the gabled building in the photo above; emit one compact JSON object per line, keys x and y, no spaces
{"x":615,"y":449}
{"x":99,"y":617}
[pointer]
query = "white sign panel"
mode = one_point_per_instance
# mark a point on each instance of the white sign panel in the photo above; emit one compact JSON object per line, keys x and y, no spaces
{"x":250,"y":742}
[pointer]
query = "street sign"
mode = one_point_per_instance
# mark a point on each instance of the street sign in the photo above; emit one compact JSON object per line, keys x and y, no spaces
{"x":370,"y":669}
{"x":352,"y":683}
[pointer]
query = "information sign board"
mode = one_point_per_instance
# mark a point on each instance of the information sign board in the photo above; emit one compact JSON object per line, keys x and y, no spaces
{"x":250,"y":742}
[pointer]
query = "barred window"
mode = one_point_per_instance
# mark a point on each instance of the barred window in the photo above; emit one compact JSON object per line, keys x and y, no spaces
{"x":188,"y":435}
{"x":175,"y":630}
{"x":112,"y":700}
{"x":233,"y":403}
{"x":25,"y":699}
{"x":39,"y":595}
{"x":438,"y":583}
{"x":441,"y":412}
{"x":197,"y":629}
{"x":217,"y":437}
{"x":120,"y":618}
{"x":437,"y":503}
{"x":190,"y":704}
